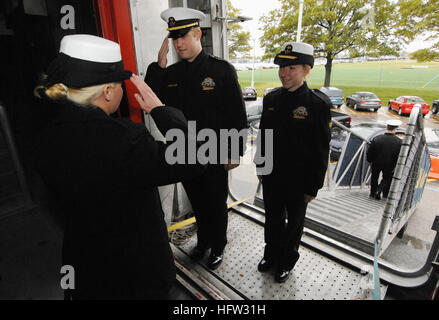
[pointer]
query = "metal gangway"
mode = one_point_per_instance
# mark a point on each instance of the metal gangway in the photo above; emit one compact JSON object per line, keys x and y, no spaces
{"x":345,"y":236}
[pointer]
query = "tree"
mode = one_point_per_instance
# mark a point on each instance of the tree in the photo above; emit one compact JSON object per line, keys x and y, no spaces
{"x":355,"y":26}
{"x":422,"y":17}
{"x":425,"y":55}
{"x":238,"y":39}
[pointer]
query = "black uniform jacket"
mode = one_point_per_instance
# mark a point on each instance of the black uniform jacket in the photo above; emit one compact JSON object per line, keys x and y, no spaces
{"x":301,"y":134}
{"x":206,"y":90}
{"x":384,"y":150}
{"x":103,"y":172}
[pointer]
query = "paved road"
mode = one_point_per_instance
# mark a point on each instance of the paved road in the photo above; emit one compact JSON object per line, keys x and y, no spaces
{"x":383,"y":114}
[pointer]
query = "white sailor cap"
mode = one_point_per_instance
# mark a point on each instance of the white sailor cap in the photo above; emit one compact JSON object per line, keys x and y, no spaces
{"x":295,"y":53}
{"x":90,"y":48}
{"x":180,"y":20}
{"x":394,"y":123}
{"x":86,"y":60}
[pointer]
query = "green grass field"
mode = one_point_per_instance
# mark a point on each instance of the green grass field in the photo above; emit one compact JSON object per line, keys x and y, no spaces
{"x":387,"y":79}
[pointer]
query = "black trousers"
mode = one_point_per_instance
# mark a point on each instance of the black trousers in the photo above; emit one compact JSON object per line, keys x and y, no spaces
{"x":384,"y":185}
{"x":282,"y":238}
{"x":208,"y":196}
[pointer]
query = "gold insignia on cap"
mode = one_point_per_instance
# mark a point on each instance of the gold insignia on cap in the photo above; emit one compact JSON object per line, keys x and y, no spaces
{"x":300,"y":113}
{"x":208,"y":84}
{"x":171,"y":21}
{"x":184,"y":27}
{"x":288,"y":49}
{"x":287,"y":57}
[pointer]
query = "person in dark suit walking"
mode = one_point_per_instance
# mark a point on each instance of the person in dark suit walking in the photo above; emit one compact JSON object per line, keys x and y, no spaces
{"x":382,"y":156}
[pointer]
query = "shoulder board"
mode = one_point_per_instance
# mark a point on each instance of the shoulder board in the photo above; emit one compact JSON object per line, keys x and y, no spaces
{"x":216,"y":58}
{"x":274,"y":91}
{"x":268,"y":99}
{"x":323,"y":97}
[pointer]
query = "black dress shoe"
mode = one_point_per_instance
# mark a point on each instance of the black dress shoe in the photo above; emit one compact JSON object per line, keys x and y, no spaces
{"x":215,"y":260}
{"x":198,"y":253}
{"x":282,"y":275}
{"x":265,"y":265}
{"x":377,"y":196}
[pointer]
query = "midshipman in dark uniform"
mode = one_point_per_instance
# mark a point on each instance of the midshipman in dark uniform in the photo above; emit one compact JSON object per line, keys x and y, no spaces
{"x":382,"y":155}
{"x":299,"y":118}
{"x":103,"y":173}
{"x":206,"y":89}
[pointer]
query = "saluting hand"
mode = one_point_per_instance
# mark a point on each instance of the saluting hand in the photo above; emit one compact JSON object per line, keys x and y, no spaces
{"x":162,"y":59}
{"x":146,"y":97}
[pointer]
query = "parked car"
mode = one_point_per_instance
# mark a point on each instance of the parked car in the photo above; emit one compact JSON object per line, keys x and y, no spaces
{"x":336,"y":95}
{"x":363,"y":100}
{"x":404,"y":104}
{"x":249,"y":93}
{"x":343,"y":118}
{"x":435,"y":107}
{"x":432,"y":140}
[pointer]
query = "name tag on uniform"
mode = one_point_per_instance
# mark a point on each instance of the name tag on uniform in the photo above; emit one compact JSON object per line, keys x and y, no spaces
{"x":300,"y":113}
{"x":172,"y":85}
{"x":208,"y":84}
{"x":270,"y":108}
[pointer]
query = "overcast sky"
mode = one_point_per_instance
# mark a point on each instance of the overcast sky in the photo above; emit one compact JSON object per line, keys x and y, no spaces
{"x":256,"y":9}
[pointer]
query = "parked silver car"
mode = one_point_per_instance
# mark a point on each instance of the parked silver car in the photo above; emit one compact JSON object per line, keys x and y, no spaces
{"x":364,"y":100}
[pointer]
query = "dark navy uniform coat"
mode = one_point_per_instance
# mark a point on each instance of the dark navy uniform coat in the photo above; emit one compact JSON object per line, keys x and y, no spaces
{"x":104,"y":174}
{"x":300,"y":122}
{"x":383,"y":153}
{"x":384,"y":150}
{"x":206,"y":90}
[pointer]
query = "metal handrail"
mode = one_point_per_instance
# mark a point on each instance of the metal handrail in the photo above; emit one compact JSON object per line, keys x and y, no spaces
{"x":395,"y":209}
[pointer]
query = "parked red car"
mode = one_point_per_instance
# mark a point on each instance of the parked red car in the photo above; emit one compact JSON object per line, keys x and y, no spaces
{"x":404,"y":104}
{"x":432,"y":139}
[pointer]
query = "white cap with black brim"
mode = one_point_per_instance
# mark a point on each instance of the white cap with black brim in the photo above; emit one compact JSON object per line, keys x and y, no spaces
{"x":181,"y":20}
{"x":87,"y":60}
{"x":295,"y":53}
{"x":393,"y":124}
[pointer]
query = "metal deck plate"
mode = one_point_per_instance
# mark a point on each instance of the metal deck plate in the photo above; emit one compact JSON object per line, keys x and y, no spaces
{"x":314,"y":276}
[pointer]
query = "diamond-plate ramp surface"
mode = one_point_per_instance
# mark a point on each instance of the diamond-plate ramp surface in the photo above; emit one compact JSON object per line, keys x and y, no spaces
{"x":314,"y":276}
